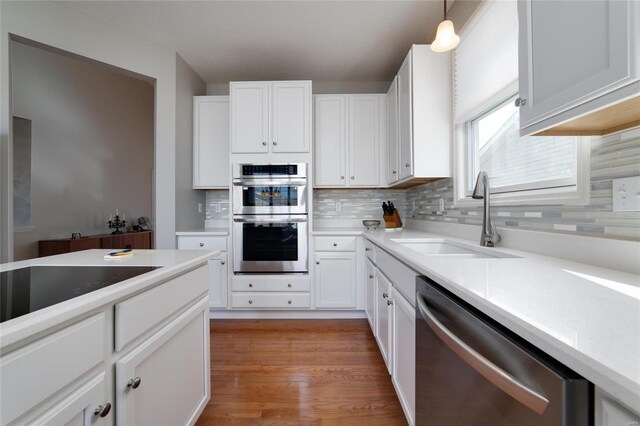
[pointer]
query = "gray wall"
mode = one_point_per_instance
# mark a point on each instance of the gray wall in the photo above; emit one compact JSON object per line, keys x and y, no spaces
{"x":188,"y":85}
{"x":92,"y":144}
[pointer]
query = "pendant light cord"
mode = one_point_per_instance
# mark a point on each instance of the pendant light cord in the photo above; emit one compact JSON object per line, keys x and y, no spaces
{"x":445,"y":9}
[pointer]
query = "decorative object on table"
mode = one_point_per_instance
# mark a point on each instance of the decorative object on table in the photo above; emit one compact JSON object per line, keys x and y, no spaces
{"x":117,"y":223}
{"x":76,"y":235}
{"x":144,"y":223}
{"x":371,"y":224}
{"x":391,"y":216}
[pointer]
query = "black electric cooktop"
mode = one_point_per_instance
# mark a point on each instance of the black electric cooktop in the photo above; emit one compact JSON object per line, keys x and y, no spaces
{"x":27,"y":290}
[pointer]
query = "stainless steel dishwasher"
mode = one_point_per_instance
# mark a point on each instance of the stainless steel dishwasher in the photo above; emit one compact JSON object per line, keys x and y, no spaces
{"x":470,"y":370}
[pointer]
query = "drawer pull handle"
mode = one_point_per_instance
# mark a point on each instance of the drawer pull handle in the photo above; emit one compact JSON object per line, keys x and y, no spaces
{"x":250,"y":302}
{"x":385,"y":295}
{"x":250,"y":285}
{"x":335,"y":244}
{"x":264,"y":144}
{"x":289,"y":285}
{"x":134,"y":383}
{"x":407,"y":165}
{"x":289,"y":301}
{"x":389,"y":302}
{"x":367,"y":249}
{"x":275,"y":143}
{"x":102,"y":410}
{"x":222,"y":262}
{"x":201,"y":244}
{"x":371,"y":277}
{"x":317,"y":263}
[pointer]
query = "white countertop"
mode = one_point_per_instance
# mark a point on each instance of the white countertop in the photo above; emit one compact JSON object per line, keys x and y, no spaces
{"x":205,"y":231}
{"x":586,"y":317}
{"x":173,"y":262}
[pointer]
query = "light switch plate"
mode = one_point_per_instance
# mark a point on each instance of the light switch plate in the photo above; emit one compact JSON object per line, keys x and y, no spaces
{"x":626,"y":194}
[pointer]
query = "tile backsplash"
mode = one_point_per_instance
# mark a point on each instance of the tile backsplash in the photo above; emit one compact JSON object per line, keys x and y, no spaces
{"x":612,"y":157}
{"x":217,"y":204}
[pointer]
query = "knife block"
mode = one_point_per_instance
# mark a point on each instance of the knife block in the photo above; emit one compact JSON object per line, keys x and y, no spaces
{"x":392,"y":220}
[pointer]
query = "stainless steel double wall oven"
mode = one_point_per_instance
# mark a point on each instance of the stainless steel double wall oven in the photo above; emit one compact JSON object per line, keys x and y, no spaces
{"x":269,"y":204}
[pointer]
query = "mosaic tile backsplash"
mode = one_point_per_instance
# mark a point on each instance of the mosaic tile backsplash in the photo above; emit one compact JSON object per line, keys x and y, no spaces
{"x":612,"y":157}
{"x":217,"y":204}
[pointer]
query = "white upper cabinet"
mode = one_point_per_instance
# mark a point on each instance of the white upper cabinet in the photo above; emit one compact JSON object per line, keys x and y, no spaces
{"x":270,"y":117}
{"x":330,"y":146}
{"x":424,"y":116}
{"x":210,"y":142}
{"x":573,"y":52}
{"x":349,"y":130}
{"x":393,"y":151}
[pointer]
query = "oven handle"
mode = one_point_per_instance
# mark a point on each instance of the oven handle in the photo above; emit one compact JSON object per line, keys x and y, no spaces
{"x":269,"y":182}
{"x":496,"y":375}
{"x":270,"y":219}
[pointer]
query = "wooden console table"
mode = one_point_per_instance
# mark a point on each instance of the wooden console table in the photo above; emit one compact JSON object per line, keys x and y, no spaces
{"x":132,"y":240}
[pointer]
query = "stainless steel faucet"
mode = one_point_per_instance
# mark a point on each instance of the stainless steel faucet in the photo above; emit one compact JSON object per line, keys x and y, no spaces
{"x":489,"y":236}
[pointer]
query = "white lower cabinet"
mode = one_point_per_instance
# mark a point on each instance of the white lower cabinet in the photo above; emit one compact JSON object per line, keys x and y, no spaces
{"x":370,"y":301}
{"x":218,"y":277}
{"x":335,"y":280}
{"x":163,"y":380}
{"x":383,"y":318}
{"x":608,"y":412}
{"x":404,"y":354}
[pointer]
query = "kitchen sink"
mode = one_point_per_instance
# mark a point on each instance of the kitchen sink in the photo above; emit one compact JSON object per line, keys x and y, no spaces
{"x":449,"y":249}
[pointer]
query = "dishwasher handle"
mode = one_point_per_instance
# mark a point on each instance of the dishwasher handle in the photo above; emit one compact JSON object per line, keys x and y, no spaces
{"x":496,"y":375}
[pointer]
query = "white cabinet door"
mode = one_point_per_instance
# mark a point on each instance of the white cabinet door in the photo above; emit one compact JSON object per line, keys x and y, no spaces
{"x":330,"y":140}
{"x":383,"y":318}
{"x":335,"y":280}
{"x":405,"y":119}
{"x":218,"y":275}
{"x":571,"y":52}
{"x":364,"y":140}
{"x":393,"y":151}
{"x":608,"y":412}
{"x":165,"y":380}
{"x":87,"y":406}
{"x":370,"y":300}
{"x":291,"y":115}
{"x":249,"y":109}
{"x":404,"y":356}
{"x":211,"y":142}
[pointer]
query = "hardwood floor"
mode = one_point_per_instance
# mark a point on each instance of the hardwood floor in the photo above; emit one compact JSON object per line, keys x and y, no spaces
{"x":298,"y":372}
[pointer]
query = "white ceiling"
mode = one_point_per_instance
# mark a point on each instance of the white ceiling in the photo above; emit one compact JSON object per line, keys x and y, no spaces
{"x":278,"y":40}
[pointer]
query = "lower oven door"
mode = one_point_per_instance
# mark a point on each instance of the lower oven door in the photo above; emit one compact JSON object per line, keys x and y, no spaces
{"x":270,"y":243}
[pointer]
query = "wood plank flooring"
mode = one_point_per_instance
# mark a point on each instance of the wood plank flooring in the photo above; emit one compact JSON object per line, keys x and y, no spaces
{"x":298,"y":372}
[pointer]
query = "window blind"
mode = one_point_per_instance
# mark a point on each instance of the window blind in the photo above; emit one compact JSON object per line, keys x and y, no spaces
{"x":486,"y":61}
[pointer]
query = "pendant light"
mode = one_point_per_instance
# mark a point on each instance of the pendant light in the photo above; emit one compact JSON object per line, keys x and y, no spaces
{"x":446,"y":38}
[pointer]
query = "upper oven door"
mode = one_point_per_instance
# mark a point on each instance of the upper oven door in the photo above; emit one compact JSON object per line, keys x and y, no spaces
{"x":269,"y":196}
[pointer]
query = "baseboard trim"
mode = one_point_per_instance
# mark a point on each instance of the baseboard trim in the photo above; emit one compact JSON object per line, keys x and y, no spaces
{"x":217,"y":314}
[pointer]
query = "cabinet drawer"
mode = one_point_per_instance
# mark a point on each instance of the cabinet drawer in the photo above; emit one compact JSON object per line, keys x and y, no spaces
{"x":401,"y":276}
{"x":192,"y":242}
{"x":335,"y":243}
{"x":37,"y":371}
{"x":271,"y":284}
{"x":270,"y":300}
{"x":137,"y":315}
{"x":370,"y":250}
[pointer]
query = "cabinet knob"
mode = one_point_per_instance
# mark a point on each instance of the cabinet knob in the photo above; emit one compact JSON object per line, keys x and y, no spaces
{"x":222,"y":262}
{"x":352,"y":177}
{"x":370,"y":277}
{"x":407,"y":165}
{"x":289,"y":285}
{"x":335,"y":244}
{"x":264,"y":144}
{"x":317,"y":263}
{"x":389,"y":302}
{"x":394,"y":172}
{"x":289,"y":301}
{"x":385,"y":295}
{"x":201,"y":244}
{"x":520,"y":102}
{"x":342,"y":177}
{"x":367,"y":249}
{"x":134,"y":383}
{"x":250,"y":285}
{"x":250,"y":302}
{"x":102,"y":410}
{"x":275,"y":143}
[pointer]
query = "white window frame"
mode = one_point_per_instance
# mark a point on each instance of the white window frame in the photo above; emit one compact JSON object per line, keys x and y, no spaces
{"x":572,"y":194}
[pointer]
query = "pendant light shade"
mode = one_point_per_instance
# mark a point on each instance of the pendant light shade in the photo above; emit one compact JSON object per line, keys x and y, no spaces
{"x":446,"y":38}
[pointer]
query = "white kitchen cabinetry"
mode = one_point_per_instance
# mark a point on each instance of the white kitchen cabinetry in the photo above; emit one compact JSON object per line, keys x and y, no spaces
{"x":573,"y":52}
{"x":349,"y":131}
{"x":211,"y":142}
{"x":424,"y":115}
{"x":270,"y":117}
{"x":393,"y":147}
{"x":404,"y":354}
{"x":218,"y":266}
{"x":335,"y":280}
{"x":370,"y":303}
{"x":608,"y":412}
{"x":384,"y":326}
{"x":162,"y":381}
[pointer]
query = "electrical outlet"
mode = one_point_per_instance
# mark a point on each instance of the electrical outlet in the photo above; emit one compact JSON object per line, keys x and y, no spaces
{"x":338,"y":206}
{"x":626,"y":194}
{"x":199,"y":207}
